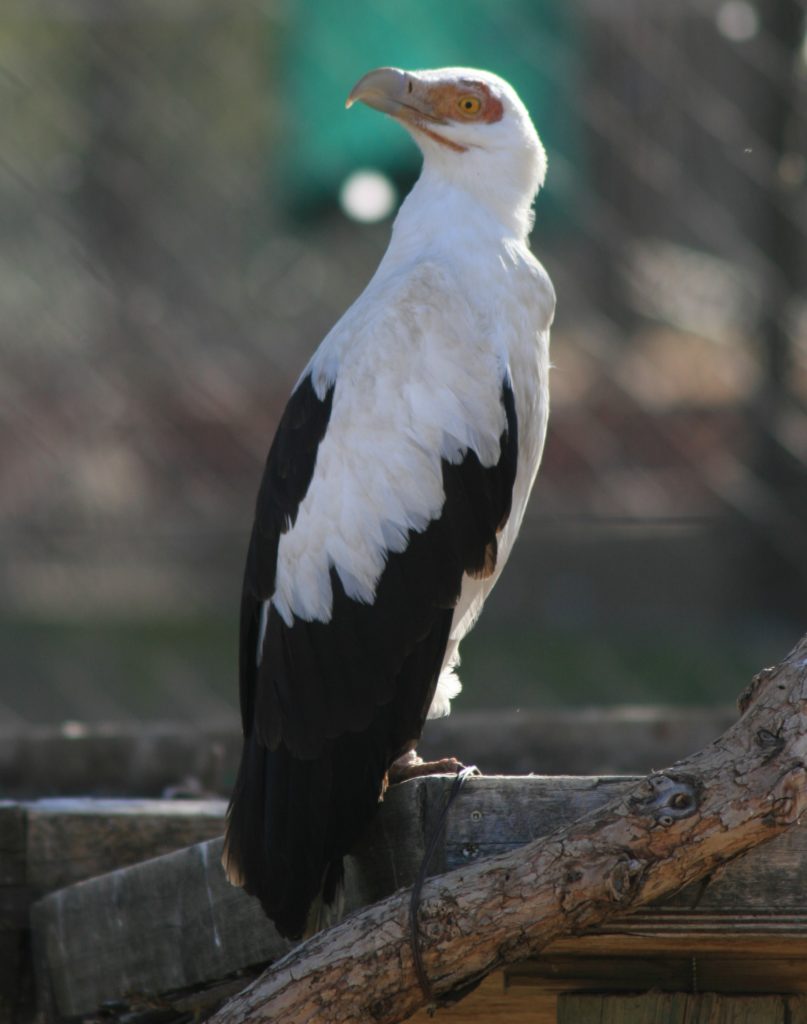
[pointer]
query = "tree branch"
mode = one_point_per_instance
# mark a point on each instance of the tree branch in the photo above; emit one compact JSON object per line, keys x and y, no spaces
{"x":670,"y":829}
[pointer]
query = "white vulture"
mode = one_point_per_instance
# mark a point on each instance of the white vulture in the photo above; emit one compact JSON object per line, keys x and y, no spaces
{"x":392,"y":494}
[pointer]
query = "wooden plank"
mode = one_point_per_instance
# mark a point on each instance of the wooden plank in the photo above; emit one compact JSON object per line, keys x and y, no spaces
{"x":174,"y":923}
{"x":73,"y":839}
{"x":493,"y":1002}
{"x":756,"y":965}
{"x":51,"y":843}
{"x":14,"y":903}
{"x":496,"y":813}
{"x":167,"y":924}
{"x":12,"y":844}
{"x":707,"y":943}
{"x":623,"y":740}
{"x":671,"y":1008}
{"x":133,"y":759}
{"x":144,"y":759}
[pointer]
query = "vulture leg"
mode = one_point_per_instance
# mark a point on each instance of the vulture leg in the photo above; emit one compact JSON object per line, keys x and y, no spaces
{"x":410,"y":766}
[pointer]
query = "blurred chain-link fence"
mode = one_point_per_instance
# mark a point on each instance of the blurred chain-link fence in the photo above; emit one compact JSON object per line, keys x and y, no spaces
{"x":174,"y":247}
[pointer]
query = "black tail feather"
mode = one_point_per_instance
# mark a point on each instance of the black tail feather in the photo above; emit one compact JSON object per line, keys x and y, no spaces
{"x":291,"y":820}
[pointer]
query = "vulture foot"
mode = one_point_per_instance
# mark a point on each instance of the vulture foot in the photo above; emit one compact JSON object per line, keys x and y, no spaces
{"x":410,"y":766}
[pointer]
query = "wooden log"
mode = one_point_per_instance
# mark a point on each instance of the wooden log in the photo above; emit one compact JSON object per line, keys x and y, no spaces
{"x":671,"y":829}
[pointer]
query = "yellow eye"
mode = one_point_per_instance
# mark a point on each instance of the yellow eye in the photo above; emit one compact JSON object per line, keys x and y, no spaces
{"x":469,"y":105}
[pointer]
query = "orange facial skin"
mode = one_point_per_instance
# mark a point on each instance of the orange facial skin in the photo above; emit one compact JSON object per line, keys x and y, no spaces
{"x":466,"y":101}
{"x":424,"y":105}
{"x":450,"y":103}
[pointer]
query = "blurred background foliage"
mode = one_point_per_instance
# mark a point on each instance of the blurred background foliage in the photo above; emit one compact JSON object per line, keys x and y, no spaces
{"x":178,"y":234}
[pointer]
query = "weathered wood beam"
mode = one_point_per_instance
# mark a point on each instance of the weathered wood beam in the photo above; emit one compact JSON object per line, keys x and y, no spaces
{"x":70,"y":839}
{"x":679,"y":1008}
{"x":47,"y":844}
{"x":146,"y":758}
{"x":702,"y":960}
{"x":666,"y":831}
{"x":117,"y":759}
{"x":175,"y":923}
{"x":624,"y":740}
{"x":155,"y":928}
{"x":14,"y":902}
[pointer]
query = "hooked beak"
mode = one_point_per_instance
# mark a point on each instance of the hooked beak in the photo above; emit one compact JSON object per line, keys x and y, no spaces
{"x":397,"y":93}
{"x":406,"y":97}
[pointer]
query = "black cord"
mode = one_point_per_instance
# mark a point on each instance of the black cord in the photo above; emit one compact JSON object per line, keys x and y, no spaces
{"x":414,"y":903}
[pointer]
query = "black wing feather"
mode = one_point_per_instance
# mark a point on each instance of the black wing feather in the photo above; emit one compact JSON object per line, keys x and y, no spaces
{"x":332,"y":705}
{"x":286,"y":478}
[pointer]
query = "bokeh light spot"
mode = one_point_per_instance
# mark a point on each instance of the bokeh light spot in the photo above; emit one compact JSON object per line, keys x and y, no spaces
{"x":368,"y":196}
{"x":737,"y":20}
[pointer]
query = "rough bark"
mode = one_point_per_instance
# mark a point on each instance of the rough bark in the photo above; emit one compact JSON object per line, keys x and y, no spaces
{"x":670,"y":829}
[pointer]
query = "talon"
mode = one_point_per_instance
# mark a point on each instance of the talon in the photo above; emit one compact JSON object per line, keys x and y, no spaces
{"x":414,"y":767}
